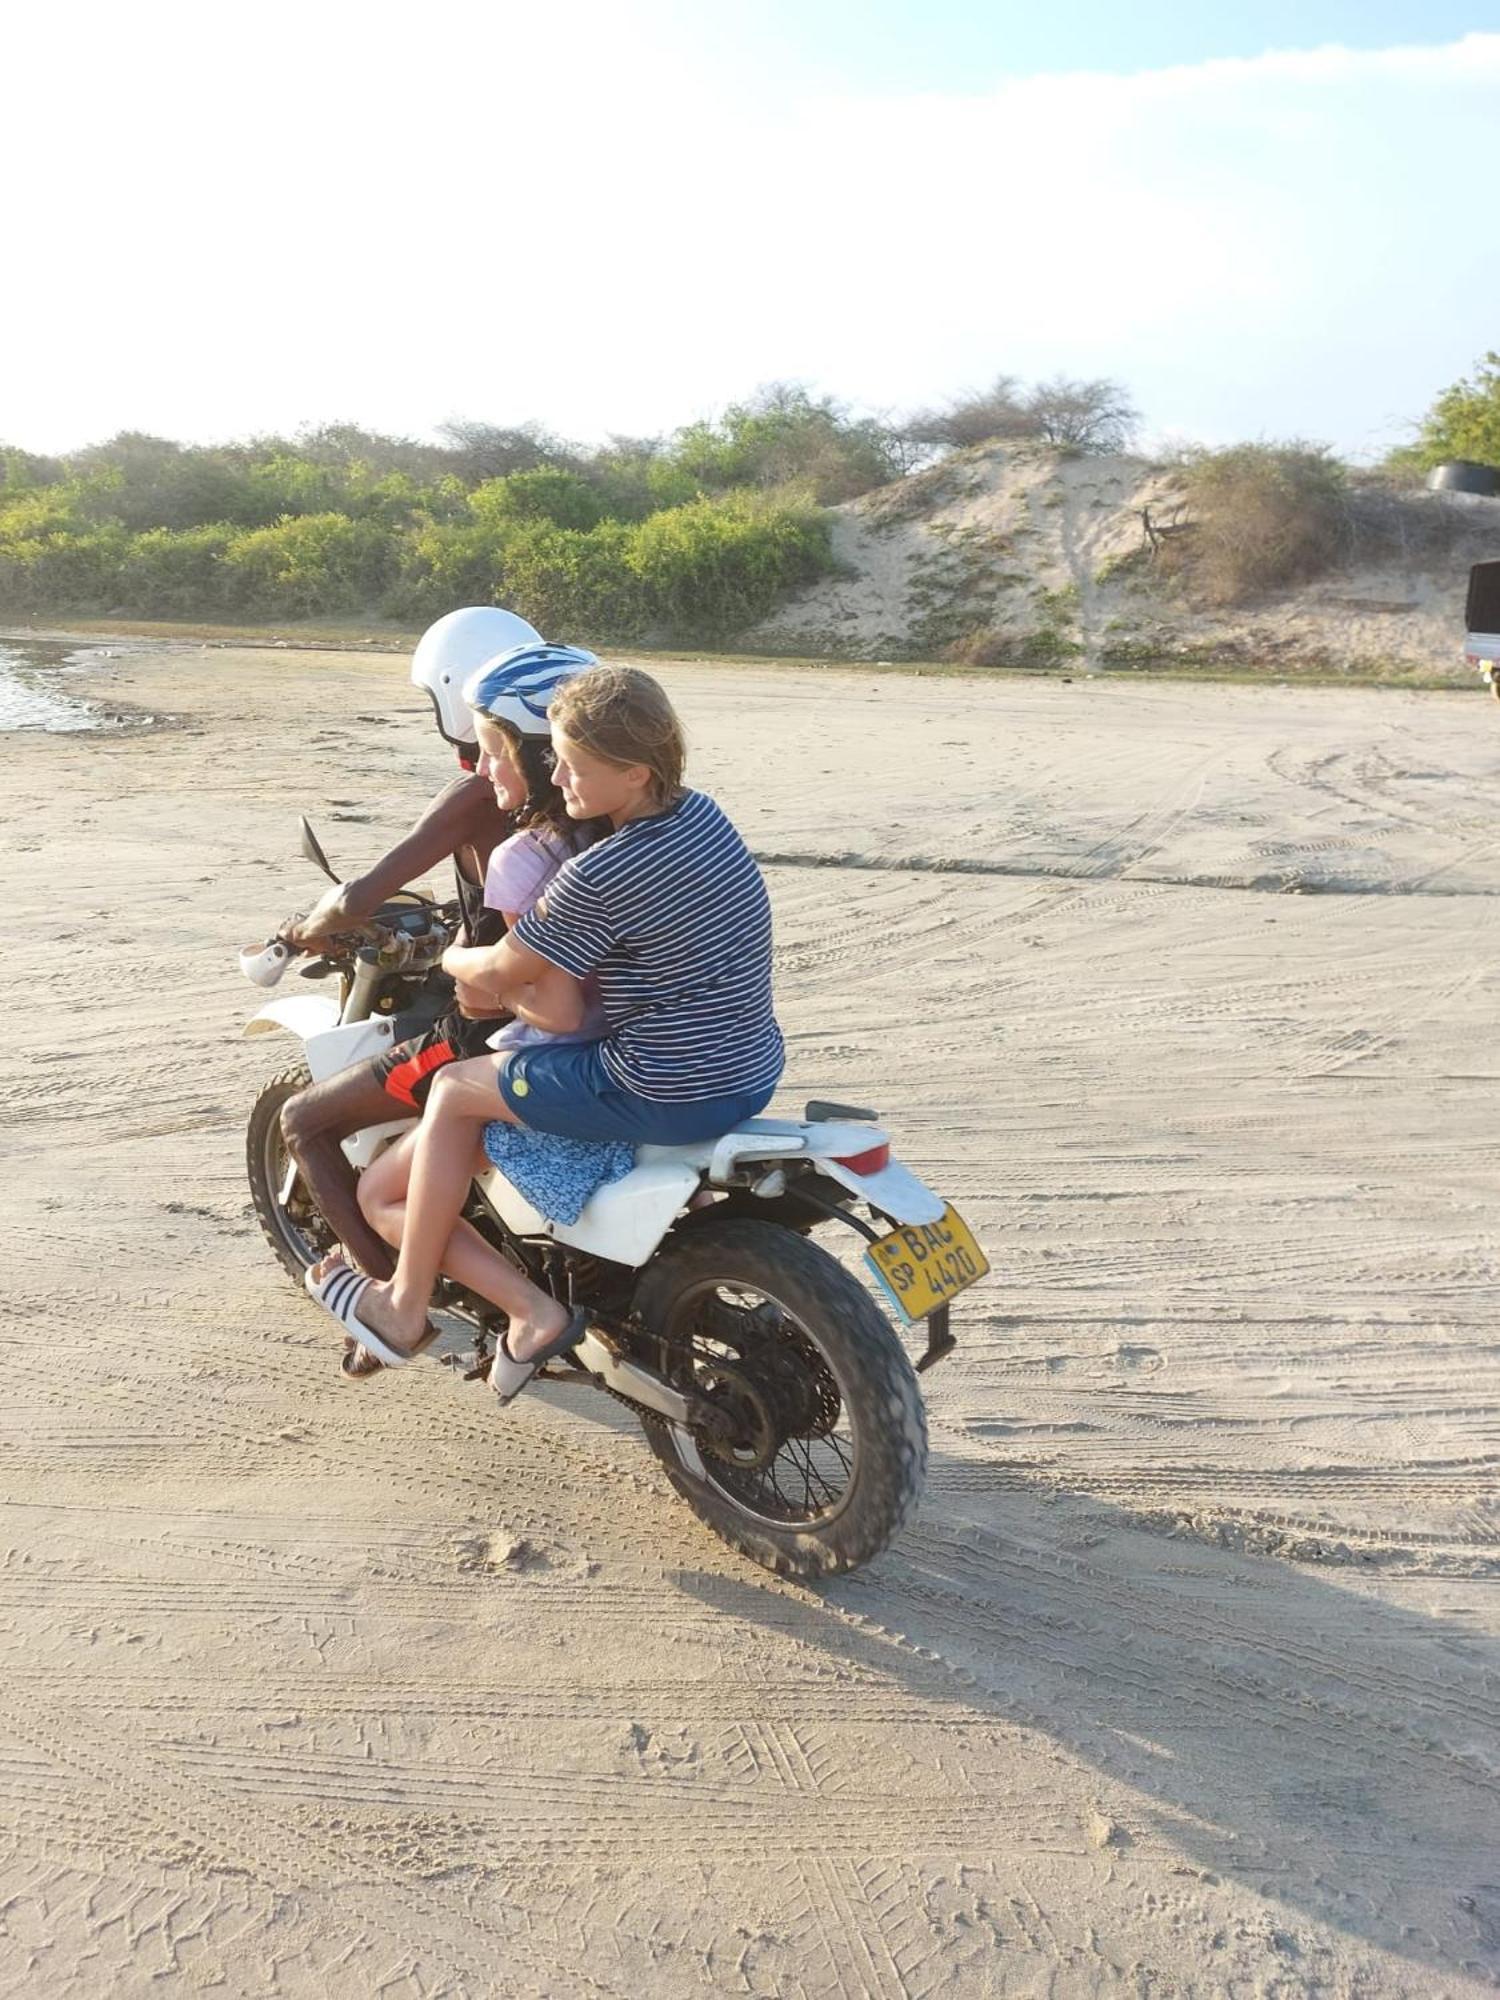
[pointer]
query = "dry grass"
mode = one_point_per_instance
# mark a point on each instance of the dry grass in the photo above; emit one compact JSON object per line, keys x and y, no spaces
{"x":1263,"y":518}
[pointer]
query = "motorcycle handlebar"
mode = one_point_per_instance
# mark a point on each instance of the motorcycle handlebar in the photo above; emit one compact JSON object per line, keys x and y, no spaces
{"x":263,"y":965}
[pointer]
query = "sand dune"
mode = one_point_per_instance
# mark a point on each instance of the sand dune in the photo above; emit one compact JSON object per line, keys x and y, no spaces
{"x":1039,"y":557}
{"x":1182,"y":1683}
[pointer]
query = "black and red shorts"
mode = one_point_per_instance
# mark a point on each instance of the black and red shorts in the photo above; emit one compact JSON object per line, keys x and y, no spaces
{"x":407,"y":1070}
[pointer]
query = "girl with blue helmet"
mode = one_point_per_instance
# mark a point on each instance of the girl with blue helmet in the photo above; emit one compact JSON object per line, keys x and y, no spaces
{"x":506,"y":701}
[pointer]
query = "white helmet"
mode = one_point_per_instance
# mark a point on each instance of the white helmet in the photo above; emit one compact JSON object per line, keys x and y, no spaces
{"x":448,"y":652}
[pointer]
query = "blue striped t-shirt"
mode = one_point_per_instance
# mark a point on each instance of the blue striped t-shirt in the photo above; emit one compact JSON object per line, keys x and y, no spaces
{"x":671,"y":916}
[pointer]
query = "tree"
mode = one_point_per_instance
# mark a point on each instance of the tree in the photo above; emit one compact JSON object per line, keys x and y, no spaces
{"x":1464,"y":422}
{"x":150,"y":482}
{"x":564,"y":499}
{"x":22,"y":470}
{"x":1095,"y":416}
{"x":479,"y":451}
{"x":981,"y":416}
{"x":345,"y":445}
{"x":782,"y":435}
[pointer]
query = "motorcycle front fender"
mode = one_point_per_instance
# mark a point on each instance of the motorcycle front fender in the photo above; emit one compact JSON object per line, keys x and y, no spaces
{"x":301,"y":1014}
{"x":329,"y":1046}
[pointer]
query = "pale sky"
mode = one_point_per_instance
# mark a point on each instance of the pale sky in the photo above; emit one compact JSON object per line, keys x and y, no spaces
{"x":617,"y":215}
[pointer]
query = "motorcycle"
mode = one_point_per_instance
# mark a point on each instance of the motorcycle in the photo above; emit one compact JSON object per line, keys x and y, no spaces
{"x":773,"y":1389}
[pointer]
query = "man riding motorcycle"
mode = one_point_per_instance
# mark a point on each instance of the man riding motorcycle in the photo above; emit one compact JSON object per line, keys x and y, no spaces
{"x":465,"y":824}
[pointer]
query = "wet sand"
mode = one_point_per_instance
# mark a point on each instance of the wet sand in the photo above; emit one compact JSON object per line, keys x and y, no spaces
{"x":1184,"y":1680}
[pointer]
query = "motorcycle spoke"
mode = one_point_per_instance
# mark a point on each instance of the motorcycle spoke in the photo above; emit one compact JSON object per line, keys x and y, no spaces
{"x":789,"y":1455}
{"x":835,"y":1445}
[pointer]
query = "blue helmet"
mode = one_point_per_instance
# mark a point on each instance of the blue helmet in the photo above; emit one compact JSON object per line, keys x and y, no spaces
{"x":516,"y":687}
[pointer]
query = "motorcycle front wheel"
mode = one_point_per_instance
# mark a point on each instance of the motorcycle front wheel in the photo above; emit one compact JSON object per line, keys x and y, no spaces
{"x":820,"y":1447}
{"x":291,"y":1224}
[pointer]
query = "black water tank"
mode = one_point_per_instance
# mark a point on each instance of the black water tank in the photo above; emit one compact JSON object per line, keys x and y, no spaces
{"x":1462,"y":475}
{"x":1483,"y":607}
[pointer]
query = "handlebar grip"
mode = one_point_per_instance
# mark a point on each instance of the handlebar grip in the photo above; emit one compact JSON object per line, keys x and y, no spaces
{"x":264,"y":964}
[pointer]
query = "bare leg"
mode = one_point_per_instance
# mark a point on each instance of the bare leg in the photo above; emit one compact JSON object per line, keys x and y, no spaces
{"x":467,"y":1257}
{"x":312,"y":1124}
{"x":464,"y":1098}
{"x":382,"y":1189}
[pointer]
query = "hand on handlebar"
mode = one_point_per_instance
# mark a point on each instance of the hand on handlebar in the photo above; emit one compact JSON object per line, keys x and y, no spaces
{"x":328,"y":918}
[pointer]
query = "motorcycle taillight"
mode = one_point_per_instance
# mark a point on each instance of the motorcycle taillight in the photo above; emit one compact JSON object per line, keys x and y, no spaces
{"x":869,"y":1162}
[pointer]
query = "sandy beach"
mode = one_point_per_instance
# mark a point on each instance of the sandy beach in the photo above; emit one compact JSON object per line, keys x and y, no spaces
{"x":1184,"y":1681}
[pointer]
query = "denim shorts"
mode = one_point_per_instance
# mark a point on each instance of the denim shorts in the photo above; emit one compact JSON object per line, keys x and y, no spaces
{"x":564,"y":1088}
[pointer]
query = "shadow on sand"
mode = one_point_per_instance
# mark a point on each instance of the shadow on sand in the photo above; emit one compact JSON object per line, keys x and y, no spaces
{"x":1273,"y":1724}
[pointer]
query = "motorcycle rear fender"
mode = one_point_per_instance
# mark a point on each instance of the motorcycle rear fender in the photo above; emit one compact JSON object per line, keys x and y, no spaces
{"x":894,"y":1191}
{"x":625,"y":1221}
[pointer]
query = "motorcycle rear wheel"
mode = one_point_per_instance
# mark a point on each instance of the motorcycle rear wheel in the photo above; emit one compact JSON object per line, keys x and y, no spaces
{"x":826,"y":1449}
{"x":296,"y":1231}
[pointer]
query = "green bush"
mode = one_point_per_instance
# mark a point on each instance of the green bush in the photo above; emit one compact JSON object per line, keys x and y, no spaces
{"x":48,"y":510}
{"x":715,"y":566}
{"x":576,"y":586}
{"x":634,"y":477}
{"x":442,"y":564}
{"x":782,"y":435}
{"x":308,"y":565}
{"x":22,"y":470}
{"x":396,"y":500}
{"x":52,"y":554}
{"x":616,"y":546}
{"x":695,"y":573}
{"x":62,"y":571}
{"x":180,"y":573}
{"x":282,"y":484}
{"x":149,"y":482}
{"x":563,"y":499}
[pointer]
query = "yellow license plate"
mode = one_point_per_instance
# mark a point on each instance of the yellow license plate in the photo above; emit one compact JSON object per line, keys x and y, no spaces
{"x":924,"y":1264}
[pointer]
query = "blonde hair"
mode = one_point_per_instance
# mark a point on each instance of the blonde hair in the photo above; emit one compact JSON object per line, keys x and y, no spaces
{"x":623,"y":716}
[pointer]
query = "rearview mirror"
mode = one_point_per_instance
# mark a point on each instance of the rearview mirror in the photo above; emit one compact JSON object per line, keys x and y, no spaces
{"x":313,"y":851}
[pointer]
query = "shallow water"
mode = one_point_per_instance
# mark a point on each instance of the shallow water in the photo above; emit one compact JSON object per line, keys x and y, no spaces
{"x":42,"y":686}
